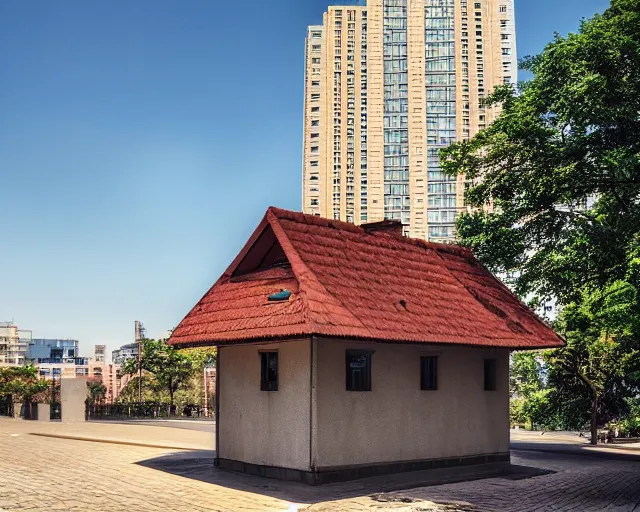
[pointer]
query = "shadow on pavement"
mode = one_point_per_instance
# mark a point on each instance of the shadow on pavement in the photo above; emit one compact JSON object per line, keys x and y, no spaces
{"x":198,"y":465}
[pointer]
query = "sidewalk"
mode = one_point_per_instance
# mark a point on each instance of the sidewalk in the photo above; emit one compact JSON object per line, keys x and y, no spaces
{"x":118,"y":433}
{"x":116,"y":478}
{"x":571,"y":444}
{"x":564,"y":437}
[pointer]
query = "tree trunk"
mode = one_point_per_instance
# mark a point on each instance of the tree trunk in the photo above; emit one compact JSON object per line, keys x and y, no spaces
{"x":594,"y":420}
{"x":172,"y":407}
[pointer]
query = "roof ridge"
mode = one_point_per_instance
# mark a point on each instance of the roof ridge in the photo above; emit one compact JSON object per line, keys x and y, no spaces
{"x":306,"y":218}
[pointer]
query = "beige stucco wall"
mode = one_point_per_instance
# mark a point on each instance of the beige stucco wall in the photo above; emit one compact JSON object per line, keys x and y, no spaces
{"x":261,"y":427}
{"x":396,"y":421}
{"x":73,"y":393}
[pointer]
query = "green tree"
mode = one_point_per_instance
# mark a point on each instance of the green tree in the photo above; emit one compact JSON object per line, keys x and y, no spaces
{"x":529,"y":398}
{"x":553,"y":196}
{"x":22,"y":384}
{"x":630,"y":424}
{"x":170,"y":368}
{"x":96,"y":391}
{"x":201,"y":356}
{"x":150,"y":391}
{"x":572,"y":135}
{"x":599,"y":370}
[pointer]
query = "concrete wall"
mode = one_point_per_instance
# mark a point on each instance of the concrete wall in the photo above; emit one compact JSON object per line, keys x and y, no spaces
{"x":268,"y":428}
{"x":44,"y":412}
{"x":396,"y":421}
{"x":73,"y":393}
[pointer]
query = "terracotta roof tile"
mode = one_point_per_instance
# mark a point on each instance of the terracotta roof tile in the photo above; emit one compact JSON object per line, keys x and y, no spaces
{"x":351,"y":283}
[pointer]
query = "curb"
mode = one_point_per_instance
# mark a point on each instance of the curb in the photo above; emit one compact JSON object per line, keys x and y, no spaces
{"x":114,"y":441}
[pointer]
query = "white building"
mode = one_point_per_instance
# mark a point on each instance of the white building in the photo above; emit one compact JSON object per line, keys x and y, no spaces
{"x":14,"y":344}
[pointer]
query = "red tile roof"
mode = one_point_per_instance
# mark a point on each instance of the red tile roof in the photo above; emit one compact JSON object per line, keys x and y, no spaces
{"x":360,"y":284}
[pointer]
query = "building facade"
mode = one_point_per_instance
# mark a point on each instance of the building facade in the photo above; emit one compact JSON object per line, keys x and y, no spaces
{"x":14,"y":344}
{"x":84,"y":368}
{"x":387,"y":86}
{"x":124,"y":353}
{"x":99,"y":352}
{"x":59,"y":350}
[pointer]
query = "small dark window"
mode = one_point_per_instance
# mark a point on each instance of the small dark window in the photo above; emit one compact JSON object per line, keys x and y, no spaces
{"x":489,"y":374}
{"x":429,"y":373}
{"x":268,"y":371}
{"x":358,"y":370}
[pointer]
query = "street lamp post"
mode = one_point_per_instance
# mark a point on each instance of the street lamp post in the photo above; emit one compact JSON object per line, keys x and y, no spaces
{"x":140,"y":375}
{"x":206,"y":397}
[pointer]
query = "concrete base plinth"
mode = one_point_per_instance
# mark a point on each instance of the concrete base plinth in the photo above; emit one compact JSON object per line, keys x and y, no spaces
{"x":17,"y":408}
{"x":44,"y":412}
{"x":73,"y":393}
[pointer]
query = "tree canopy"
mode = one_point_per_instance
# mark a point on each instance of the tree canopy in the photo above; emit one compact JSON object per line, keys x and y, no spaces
{"x":170,"y":367}
{"x":21,"y":383}
{"x":97,"y":391}
{"x":571,"y":136}
{"x":554,"y":198}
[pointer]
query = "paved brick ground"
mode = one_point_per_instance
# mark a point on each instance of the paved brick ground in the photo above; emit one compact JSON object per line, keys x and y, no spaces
{"x":45,"y":474}
{"x":579,"y":483}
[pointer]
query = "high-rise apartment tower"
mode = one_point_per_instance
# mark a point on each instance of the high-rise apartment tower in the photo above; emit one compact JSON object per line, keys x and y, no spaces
{"x":387,"y":85}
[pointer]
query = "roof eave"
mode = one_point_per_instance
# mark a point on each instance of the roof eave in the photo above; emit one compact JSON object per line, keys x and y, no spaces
{"x":298,"y":336}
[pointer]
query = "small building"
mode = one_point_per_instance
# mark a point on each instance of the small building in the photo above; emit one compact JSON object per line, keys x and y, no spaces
{"x":14,"y":344}
{"x":98,"y":353}
{"x":347,"y":351}
{"x":59,"y":350}
{"x":124,"y":353}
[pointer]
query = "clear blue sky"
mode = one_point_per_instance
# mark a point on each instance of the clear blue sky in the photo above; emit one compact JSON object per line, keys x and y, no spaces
{"x":141,"y":142}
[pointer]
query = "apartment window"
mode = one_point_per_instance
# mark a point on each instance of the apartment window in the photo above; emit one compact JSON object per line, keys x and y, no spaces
{"x":315,"y":60}
{"x":315,"y":47}
{"x":314,"y":202}
{"x":315,"y":83}
{"x":315,"y":149}
{"x":315,"y":109}
{"x":429,"y":373}
{"x":316,"y":35}
{"x":358,"y":367}
{"x":506,"y":51}
{"x":315,"y":96}
{"x":490,"y":380}
{"x":503,"y":8}
{"x":268,"y":371}
{"x":315,"y":123}
{"x":477,"y":5}
{"x":504,"y":37}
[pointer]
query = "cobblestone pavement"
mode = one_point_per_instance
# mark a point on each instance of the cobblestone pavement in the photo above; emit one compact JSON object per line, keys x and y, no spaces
{"x":46,"y":474}
{"x":579,"y":483}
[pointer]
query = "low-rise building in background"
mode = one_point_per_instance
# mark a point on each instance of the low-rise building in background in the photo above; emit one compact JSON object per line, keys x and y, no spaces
{"x":99,"y":352}
{"x":124,"y":353}
{"x":58,"y":350}
{"x":14,"y":344}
